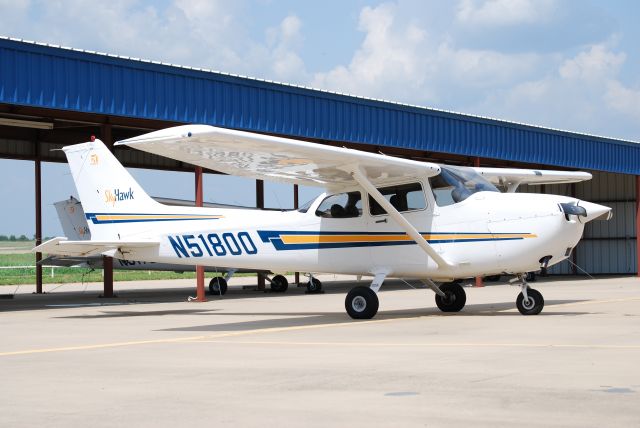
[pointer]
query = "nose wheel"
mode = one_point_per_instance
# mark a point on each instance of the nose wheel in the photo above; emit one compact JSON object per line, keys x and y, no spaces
{"x":532,"y":304}
{"x":529,"y":301}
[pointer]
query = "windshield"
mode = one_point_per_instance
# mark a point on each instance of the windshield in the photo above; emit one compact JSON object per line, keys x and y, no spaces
{"x":455,"y":184}
{"x":305,"y":207}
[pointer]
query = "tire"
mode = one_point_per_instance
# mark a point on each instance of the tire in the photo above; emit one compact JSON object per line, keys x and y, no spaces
{"x":314,"y":286}
{"x":535,"y":304}
{"x":455,"y":300}
{"x":279,"y":284}
{"x":361,"y":303}
{"x":217,"y":286}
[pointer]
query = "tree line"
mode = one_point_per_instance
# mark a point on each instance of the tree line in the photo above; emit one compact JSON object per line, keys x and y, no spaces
{"x":21,"y":238}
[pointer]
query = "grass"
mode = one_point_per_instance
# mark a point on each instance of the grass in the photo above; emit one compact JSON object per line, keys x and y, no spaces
{"x":12,"y":247}
{"x":26,"y":244}
{"x":17,"y":276}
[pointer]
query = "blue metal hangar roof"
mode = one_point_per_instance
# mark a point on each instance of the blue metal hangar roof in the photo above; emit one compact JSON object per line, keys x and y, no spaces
{"x":44,"y":76}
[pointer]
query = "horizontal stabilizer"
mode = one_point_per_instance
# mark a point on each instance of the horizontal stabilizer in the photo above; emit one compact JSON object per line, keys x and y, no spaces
{"x":63,"y":247}
{"x":513,"y":177}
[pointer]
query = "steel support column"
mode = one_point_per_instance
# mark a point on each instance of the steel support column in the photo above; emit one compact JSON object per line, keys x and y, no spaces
{"x":638,"y":224}
{"x":107,"y":279}
{"x":574,"y":252}
{"x":200,"y":296}
{"x":38,"y":185}
{"x":260,"y":205}
{"x":296,"y":201}
{"x":543,"y":190}
{"x":107,"y":262}
{"x":479,"y":282}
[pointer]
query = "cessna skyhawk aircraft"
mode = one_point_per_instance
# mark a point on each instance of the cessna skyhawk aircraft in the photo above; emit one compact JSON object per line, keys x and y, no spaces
{"x":380,"y":216}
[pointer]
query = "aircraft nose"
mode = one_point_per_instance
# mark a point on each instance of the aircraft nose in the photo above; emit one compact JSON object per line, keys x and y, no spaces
{"x":594,"y":211}
{"x":585,"y":211}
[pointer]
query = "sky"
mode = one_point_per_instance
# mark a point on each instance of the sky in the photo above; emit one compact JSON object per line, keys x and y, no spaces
{"x":567,"y":64}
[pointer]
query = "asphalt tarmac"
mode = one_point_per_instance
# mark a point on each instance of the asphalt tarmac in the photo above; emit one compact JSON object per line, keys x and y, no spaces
{"x":150,"y":358}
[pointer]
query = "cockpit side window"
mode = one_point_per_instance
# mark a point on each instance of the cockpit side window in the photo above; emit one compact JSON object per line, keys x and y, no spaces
{"x":341,"y":205}
{"x":455,"y":184}
{"x":403,"y":197}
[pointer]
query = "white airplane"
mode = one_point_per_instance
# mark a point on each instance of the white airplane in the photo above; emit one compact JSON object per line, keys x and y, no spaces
{"x":74,"y":225}
{"x":380,"y":216}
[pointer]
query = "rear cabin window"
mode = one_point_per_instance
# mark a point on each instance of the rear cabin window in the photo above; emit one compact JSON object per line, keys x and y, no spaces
{"x":403,"y":197}
{"x":341,"y":205}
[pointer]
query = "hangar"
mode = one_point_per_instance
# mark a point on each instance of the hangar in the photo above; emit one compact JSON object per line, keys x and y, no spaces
{"x":51,"y":96}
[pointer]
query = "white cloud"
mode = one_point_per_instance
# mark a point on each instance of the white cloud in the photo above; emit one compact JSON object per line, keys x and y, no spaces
{"x":484,"y":68}
{"x":593,"y":64}
{"x":624,"y":100}
{"x":199,"y":33}
{"x":504,"y":12}
{"x":281,"y":51}
{"x":390,"y":58}
{"x":583,"y":93}
{"x":401,"y":60}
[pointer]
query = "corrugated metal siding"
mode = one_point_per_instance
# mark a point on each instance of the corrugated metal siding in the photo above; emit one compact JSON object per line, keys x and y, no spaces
{"x":607,"y":247}
{"x":17,"y":148}
{"x":44,"y":76}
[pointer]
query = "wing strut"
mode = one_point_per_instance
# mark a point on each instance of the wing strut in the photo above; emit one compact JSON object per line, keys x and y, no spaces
{"x":512,"y":186}
{"x":362,"y":179}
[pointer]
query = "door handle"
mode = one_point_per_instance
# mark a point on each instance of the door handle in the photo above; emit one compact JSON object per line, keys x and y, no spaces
{"x":381,"y":221}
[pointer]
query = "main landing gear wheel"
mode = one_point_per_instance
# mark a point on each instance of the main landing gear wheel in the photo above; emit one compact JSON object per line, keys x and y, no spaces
{"x":361,"y":303}
{"x":455,"y":297}
{"x":314,"y":286}
{"x":217,"y":286}
{"x":531,"y":306}
{"x":279,"y":284}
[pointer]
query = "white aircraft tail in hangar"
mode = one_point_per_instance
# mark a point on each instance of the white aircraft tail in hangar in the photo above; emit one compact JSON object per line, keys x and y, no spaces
{"x":380,"y":216}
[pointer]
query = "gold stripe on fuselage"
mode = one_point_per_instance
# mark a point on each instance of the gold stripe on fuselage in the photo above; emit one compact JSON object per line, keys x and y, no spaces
{"x":107,"y":217}
{"x":326,"y":239}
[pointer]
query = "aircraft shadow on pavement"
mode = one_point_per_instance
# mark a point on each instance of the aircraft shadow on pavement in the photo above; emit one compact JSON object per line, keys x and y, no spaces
{"x":106,"y":308}
{"x":299,"y":319}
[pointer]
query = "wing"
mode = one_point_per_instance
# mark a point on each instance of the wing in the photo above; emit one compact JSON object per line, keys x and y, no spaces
{"x":285,"y":160}
{"x":63,"y":247}
{"x":515,"y":177}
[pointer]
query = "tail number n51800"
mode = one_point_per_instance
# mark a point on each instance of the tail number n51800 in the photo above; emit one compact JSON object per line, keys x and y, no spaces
{"x":212,"y":244}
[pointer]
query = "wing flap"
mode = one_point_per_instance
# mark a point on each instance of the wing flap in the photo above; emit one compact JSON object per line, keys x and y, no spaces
{"x":272,"y":158}
{"x":63,"y":247}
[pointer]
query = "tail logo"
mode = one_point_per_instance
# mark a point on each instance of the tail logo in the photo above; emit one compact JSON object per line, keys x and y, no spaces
{"x":93,"y":160}
{"x":116,"y":195}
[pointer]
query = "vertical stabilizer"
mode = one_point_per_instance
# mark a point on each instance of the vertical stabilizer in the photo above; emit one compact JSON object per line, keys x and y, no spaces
{"x":107,"y":191}
{"x":72,"y":219}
